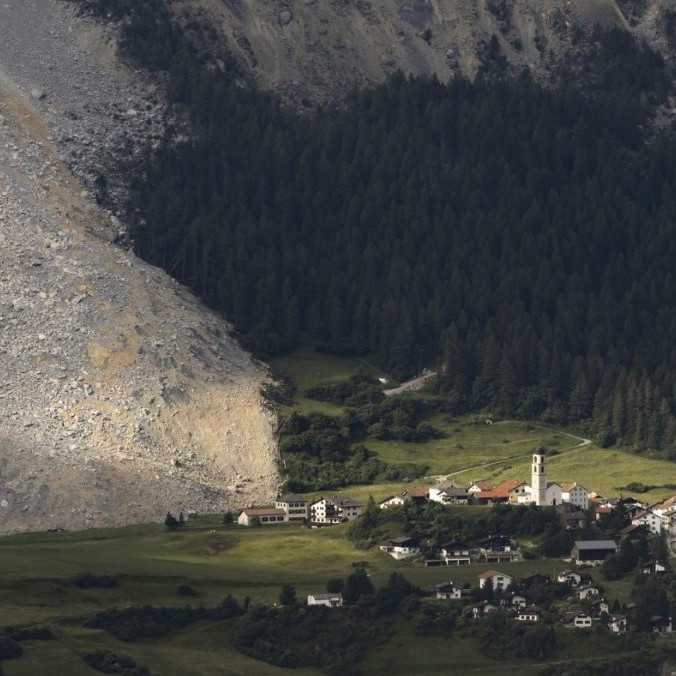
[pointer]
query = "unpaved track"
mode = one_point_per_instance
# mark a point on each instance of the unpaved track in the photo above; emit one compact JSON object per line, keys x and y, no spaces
{"x":121,"y":396}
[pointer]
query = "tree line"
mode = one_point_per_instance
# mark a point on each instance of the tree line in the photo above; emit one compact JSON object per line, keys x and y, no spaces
{"x":519,"y":237}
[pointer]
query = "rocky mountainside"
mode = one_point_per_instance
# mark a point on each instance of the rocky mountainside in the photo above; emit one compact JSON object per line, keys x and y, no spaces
{"x":121,"y":395}
{"x":317,"y":50}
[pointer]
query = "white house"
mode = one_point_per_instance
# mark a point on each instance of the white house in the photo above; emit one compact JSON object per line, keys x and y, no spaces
{"x":582,"y":621}
{"x":519,"y":601}
{"x":499,"y":581}
{"x":569,"y":577}
{"x":447,"y":591}
{"x":262,"y":515}
{"x":328,"y":600}
{"x":528,"y":614}
{"x":455,"y":554}
{"x":335,"y":509}
{"x":295,"y":506}
{"x":653,"y":568}
{"x":401,"y":548}
{"x":392,"y":501}
{"x":575,"y":494}
{"x":661,"y":625}
{"x":652,"y":521}
{"x":448,"y":494}
{"x":618,"y":624}
{"x":587,"y":593}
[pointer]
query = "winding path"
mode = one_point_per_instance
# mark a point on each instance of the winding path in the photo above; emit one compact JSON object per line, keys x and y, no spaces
{"x":582,"y":442}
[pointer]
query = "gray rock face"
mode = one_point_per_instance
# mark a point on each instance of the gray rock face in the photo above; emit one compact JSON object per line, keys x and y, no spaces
{"x":121,"y":396}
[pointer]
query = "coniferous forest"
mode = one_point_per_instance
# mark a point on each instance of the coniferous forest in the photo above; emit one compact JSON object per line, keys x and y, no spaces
{"x":520,"y":238}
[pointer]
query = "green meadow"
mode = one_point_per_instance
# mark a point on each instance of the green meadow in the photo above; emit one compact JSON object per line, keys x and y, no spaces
{"x":150,"y":562}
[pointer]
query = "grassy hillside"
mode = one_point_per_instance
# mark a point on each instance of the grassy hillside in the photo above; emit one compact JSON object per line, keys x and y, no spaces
{"x":474,"y":450}
{"x":150,"y":562}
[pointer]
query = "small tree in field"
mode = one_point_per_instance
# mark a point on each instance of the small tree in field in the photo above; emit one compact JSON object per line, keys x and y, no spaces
{"x":228,"y":519}
{"x":287,"y":596}
{"x":171,"y":522}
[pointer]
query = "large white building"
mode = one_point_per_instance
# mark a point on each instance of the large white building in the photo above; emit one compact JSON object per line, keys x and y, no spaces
{"x":540,"y":492}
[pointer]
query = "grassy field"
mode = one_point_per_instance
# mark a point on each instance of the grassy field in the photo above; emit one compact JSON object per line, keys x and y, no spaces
{"x":150,"y":562}
{"x":472,"y":450}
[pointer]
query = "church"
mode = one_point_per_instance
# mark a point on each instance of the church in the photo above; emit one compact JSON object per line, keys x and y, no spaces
{"x":540,"y":492}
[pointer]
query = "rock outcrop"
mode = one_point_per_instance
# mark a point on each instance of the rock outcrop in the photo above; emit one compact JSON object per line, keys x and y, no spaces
{"x":315,"y":50}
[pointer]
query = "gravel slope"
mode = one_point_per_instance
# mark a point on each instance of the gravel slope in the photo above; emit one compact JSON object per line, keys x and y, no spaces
{"x":121,"y":396}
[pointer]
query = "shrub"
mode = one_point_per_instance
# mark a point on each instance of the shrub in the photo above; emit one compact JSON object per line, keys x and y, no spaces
{"x":89,"y":581}
{"x":109,"y":663}
{"x":9,"y":648}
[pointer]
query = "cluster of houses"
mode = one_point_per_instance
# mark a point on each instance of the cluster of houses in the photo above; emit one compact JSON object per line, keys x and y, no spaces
{"x":581,"y":606}
{"x":539,"y":492}
{"x":493,"y":549}
{"x":297,"y":508}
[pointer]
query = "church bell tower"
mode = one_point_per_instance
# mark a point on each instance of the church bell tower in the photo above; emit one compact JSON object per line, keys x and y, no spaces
{"x":539,"y":478}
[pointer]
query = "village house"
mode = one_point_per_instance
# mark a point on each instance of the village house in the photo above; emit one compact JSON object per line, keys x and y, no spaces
{"x":592,"y":552}
{"x":455,"y":554}
{"x":262,"y":515}
{"x":295,"y":506}
{"x":418,"y":495}
{"x":653,"y":568}
{"x":497,"y":494}
{"x":519,"y":601}
{"x":328,"y":600}
{"x":480,"y":610}
{"x":478,"y":486}
{"x":582,"y":621}
{"x":587,"y":593}
{"x":448,"y":494}
{"x":650,"y":520}
{"x":569,"y":577}
{"x":498,"y":581}
{"x":401,"y":548}
{"x":660,"y":625}
{"x":335,"y":509}
{"x":618,"y":624}
{"x":528,"y":614}
{"x":575,"y":494}
{"x":392,"y":501}
{"x":447,"y":591}
{"x":498,"y":549}
{"x":600,"y":607}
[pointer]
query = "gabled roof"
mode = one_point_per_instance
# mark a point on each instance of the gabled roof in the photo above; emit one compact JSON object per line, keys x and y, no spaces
{"x":403,"y":541}
{"x":483,"y":484}
{"x":327,"y":597}
{"x":502,"y":490}
{"x":570,"y":485}
{"x":530,"y":610}
{"x":454,"y":544}
{"x":493,"y":573}
{"x":291,"y":497}
{"x":263,"y":511}
{"x":669,"y":503}
{"x":418,"y":491}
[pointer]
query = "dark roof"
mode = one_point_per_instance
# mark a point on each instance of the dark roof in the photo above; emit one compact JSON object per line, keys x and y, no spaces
{"x":455,"y":544}
{"x":595,"y":544}
{"x":404,"y":540}
{"x":291,"y":497}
